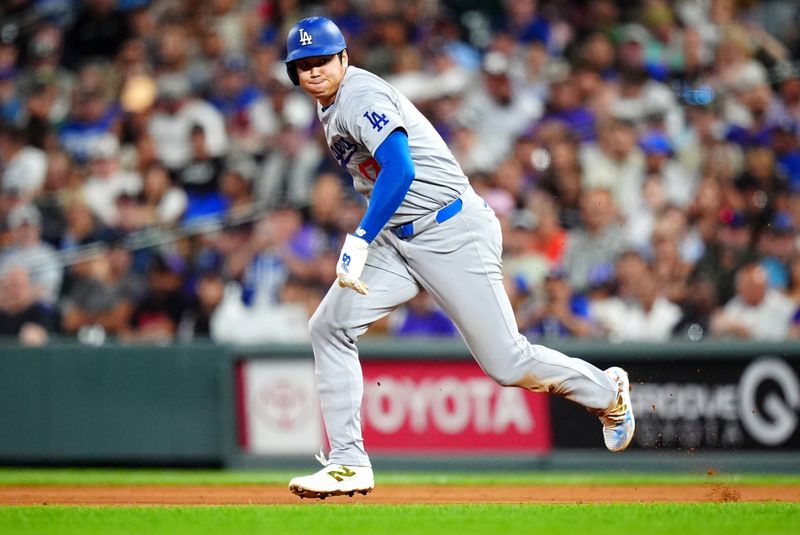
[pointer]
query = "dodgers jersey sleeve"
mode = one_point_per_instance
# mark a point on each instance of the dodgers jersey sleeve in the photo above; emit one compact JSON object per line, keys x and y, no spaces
{"x":376,"y":117}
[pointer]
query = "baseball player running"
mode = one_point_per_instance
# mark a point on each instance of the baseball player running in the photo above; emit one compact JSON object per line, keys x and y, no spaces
{"x":424,"y":227}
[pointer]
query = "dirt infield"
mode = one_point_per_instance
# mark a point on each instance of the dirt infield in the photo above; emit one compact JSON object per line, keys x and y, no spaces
{"x":393,"y":494}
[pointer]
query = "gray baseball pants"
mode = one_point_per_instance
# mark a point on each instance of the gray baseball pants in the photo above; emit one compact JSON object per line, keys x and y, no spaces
{"x":459,"y":263}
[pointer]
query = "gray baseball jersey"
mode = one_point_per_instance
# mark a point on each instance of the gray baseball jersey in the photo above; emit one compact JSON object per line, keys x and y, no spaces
{"x":366,"y":111}
{"x":454,"y":252}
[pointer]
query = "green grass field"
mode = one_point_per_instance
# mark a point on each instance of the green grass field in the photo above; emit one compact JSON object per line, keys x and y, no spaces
{"x":310,"y":518}
{"x":729,"y":519}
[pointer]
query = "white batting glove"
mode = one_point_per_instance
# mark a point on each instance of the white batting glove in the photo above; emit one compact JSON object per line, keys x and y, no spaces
{"x":351,"y":264}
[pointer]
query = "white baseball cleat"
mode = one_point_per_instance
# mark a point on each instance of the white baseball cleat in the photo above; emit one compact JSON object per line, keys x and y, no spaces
{"x":333,"y":480}
{"x":619,"y":424}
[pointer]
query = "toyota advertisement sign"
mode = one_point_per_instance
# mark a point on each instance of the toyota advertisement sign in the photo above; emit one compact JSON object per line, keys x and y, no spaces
{"x":408,"y":407}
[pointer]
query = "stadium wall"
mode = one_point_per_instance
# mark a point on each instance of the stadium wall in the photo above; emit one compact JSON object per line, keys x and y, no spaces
{"x":427,"y":405}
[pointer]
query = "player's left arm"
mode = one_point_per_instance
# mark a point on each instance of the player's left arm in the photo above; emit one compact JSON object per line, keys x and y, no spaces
{"x":391,"y":186}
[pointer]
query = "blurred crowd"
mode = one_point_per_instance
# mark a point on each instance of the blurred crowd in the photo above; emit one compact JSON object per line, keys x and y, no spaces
{"x":162,"y":180}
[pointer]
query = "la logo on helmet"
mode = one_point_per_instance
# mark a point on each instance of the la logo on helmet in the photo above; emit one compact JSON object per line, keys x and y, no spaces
{"x":305,"y":37}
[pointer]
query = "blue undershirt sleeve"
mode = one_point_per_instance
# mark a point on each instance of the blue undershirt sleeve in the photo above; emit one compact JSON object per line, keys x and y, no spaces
{"x":391,"y":185}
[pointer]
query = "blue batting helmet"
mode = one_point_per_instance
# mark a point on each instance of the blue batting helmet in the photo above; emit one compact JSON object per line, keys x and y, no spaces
{"x":314,"y":36}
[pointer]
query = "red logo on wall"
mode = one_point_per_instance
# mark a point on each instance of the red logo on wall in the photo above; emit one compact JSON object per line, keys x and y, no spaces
{"x":449,"y":406}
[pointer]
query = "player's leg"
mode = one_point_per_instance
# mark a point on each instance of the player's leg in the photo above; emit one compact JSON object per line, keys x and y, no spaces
{"x":341,"y":318}
{"x":459,"y":263}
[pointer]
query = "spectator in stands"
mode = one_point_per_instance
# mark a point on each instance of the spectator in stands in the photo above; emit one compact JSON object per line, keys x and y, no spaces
{"x":641,"y":221}
{"x":291,"y":163}
{"x":759,"y":186}
{"x":615,"y":163}
{"x":509,"y":176}
{"x":549,"y":237}
{"x":630,"y":267}
{"x":29,"y":251}
{"x":703,"y":215}
{"x":22,"y":315}
{"x":756,"y":312}
{"x":264,"y":264}
{"x":107,"y":180}
{"x":776,"y":246}
{"x":80,"y":226}
{"x":316,"y":244}
{"x":521,"y":260}
{"x":496,"y":112}
{"x":679,"y":186}
{"x":735,"y":70}
{"x":560,"y":314}
{"x":701,"y":133}
{"x":160,"y":310}
{"x":751,"y":126}
{"x":236,"y":184}
{"x":696,"y":310}
{"x":39,"y":129}
{"x":196,"y":321}
{"x":641,"y":93}
{"x":91,"y":116}
{"x":564,"y":105}
{"x":177,"y":111}
{"x":643,"y":312}
{"x":171,"y":43}
{"x":45,"y":77}
{"x":161,"y":202}
{"x":730,"y":248}
{"x":596,"y":53}
{"x":104,"y":294}
{"x":653,"y":317}
{"x":238,"y":100}
{"x":63,"y":183}
{"x":562,"y":179}
{"x":670,"y":269}
{"x":24,"y":167}
{"x":200,"y":178}
{"x":598,"y":241}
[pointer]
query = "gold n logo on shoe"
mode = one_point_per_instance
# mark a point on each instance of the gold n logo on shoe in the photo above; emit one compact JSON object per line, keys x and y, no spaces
{"x":341,"y":473}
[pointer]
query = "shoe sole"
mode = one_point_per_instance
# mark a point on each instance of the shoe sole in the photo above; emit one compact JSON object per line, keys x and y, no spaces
{"x":321,"y":495}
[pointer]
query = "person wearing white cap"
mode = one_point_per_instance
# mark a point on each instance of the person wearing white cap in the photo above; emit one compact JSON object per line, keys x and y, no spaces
{"x":108,"y":180}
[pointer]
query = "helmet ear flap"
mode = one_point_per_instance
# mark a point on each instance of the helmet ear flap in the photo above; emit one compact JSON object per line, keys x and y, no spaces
{"x":292,"y":72}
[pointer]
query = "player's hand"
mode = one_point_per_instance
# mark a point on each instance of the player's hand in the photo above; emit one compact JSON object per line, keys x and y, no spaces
{"x":351,"y":264}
